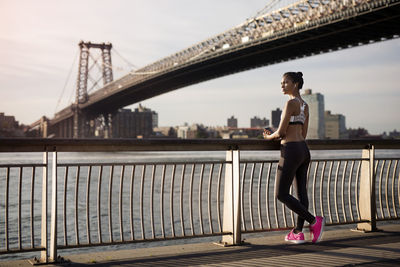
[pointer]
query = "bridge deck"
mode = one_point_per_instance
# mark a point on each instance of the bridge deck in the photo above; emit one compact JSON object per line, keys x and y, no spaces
{"x":339,"y":248}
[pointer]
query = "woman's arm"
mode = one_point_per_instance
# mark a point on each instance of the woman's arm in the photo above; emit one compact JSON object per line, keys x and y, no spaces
{"x":287,"y":112}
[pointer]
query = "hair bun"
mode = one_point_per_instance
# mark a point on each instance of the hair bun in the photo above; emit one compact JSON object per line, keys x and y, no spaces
{"x":296,"y":77}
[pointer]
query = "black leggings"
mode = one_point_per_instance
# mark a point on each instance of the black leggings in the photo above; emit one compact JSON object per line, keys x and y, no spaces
{"x":294,"y":161}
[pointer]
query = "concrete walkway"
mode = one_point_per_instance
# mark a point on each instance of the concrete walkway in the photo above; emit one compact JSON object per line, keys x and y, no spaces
{"x":339,"y":248}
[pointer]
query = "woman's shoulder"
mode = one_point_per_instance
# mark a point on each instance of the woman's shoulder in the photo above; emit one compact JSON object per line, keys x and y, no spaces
{"x":293,"y":103}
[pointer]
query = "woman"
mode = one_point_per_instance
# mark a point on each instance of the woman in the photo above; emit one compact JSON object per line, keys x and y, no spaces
{"x":295,"y":158}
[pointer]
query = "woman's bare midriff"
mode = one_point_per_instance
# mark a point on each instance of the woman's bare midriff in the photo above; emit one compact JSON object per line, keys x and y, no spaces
{"x":293,"y":134}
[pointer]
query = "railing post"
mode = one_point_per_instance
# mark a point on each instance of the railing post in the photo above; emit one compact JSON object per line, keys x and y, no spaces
{"x":231,"y":216}
{"x":53,"y":225}
{"x":367,"y":199}
{"x":43,"y":243}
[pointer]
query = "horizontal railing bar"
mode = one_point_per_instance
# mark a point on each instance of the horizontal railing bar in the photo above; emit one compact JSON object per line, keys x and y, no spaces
{"x":319,"y":160}
{"x":22,"y":165}
{"x":345,"y":223}
{"x":338,"y":159}
{"x":266,"y":230}
{"x":141,"y":240}
{"x":386,"y":158}
{"x":387,"y":219}
{"x":258,"y":161}
{"x":83,"y":164}
{"x":98,"y":145}
{"x":12,"y":251}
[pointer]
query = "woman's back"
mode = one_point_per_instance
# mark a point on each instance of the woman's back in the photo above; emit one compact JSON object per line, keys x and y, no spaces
{"x":297,"y":128}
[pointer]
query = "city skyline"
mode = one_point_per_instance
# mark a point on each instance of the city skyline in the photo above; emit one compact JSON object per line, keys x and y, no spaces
{"x":359,"y":82}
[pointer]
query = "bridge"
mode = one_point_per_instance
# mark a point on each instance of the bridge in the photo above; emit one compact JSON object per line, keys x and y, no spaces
{"x":304,"y":28}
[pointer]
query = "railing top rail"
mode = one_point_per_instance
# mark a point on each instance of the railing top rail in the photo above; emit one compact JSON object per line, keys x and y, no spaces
{"x":99,"y":145}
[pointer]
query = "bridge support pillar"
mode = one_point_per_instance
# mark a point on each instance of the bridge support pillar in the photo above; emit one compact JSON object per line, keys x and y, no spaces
{"x":76,"y":123}
{"x":44,"y":127}
{"x":79,"y":124}
{"x":108,"y":125}
{"x":366,"y":198}
{"x":232,"y":216}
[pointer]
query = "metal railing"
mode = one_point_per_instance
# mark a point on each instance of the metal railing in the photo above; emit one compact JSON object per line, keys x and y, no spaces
{"x":96,"y":203}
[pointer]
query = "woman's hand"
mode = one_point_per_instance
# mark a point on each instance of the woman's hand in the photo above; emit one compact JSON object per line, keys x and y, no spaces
{"x":267,"y":134}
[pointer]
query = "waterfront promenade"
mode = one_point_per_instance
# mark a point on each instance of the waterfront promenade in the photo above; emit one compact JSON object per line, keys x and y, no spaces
{"x":339,"y":248}
{"x":61,"y":206}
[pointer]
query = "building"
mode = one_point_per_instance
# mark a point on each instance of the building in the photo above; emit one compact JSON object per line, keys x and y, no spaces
{"x":276,"y":117}
{"x":394,"y":134}
{"x":232,"y":122}
{"x":9,"y":127}
{"x":335,"y":126}
{"x":133,"y":124}
{"x":7,"y":122}
{"x":256,"y":122}
{"x":165,"y":132}
{"x":196,"y":131}
{"x":154,"y":119}
{"x":153,"y":114}
{"x":316,"y":105}
{"x":183,"y":132}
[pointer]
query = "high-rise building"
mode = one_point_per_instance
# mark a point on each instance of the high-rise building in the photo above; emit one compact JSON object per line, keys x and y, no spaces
{"x":335,"y":126}
{"x":256,"y":122}
{"x":154,"y":117}
{"x":316,"y":105}
{"x":232,"y":122}
{"x":276,"y":117}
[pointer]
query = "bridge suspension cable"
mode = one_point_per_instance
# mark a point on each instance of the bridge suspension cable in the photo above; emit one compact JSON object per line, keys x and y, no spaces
{"x":124,"y":59}
{"x":67,"y":80}
{"x":267,"y":8}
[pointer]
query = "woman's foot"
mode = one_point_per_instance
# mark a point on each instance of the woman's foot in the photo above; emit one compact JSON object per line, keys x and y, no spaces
{"x":295,"y":238}
{"x":317,"y":229}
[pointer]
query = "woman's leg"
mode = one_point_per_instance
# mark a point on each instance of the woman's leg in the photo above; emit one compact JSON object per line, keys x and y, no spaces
{"x":291,"y":159}
{"x":301,"y":185}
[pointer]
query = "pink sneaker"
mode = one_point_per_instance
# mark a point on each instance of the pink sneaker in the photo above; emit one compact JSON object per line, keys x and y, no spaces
{"x":317,"y":229}
{"x":295,"y":238}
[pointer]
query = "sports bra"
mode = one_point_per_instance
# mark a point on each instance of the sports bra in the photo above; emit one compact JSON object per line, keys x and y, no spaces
{"x":301,"y":118}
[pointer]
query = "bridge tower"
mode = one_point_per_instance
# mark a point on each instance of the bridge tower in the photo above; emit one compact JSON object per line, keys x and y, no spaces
{"x":81,"y":122}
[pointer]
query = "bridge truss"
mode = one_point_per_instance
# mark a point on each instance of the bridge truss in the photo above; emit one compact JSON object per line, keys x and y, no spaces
{"x":293,"y":18}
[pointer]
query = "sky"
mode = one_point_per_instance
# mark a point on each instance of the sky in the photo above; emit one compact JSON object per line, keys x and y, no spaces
{"x":39,"y":50}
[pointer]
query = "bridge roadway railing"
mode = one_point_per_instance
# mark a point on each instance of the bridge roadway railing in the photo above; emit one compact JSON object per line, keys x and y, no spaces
{"x":151,"y":193}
